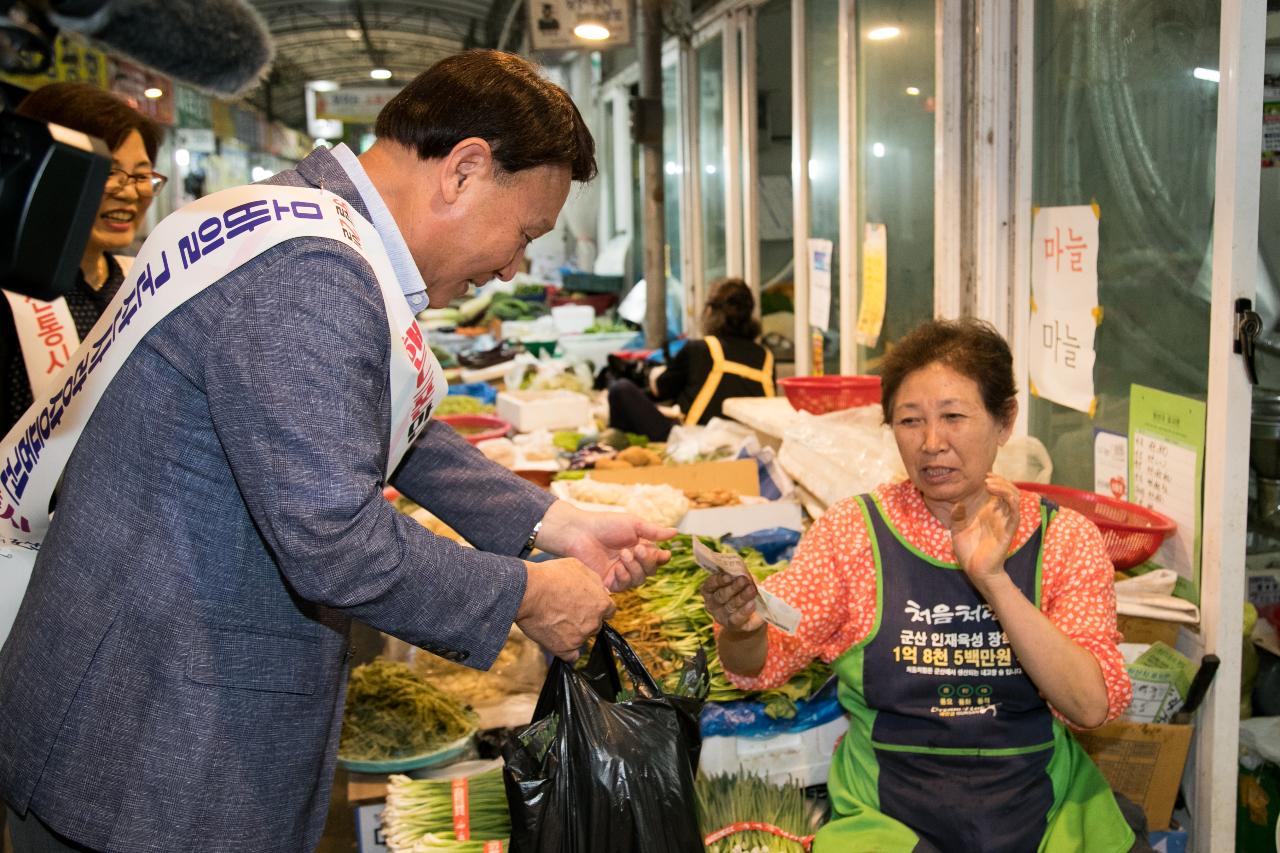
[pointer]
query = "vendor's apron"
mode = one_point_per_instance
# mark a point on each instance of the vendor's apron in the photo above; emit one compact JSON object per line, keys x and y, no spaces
{"x":719,"y":367}
{"x":190,"y":250}
{"x":950,"y":747}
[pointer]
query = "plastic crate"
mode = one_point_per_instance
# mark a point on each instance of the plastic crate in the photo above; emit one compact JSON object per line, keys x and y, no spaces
{"x":821,"y":394}
{"x":585,"y":282}
{"x":1131,"y":534}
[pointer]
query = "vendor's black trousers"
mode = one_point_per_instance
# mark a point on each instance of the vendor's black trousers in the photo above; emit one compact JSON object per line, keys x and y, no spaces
{"x":631,"y":410}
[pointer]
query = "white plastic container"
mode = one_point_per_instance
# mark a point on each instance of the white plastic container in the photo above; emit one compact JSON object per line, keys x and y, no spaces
{"x":531,"y":410}
{"x":571,"y":319}
{"x":594,"y":348}
{"x":803,"y":757}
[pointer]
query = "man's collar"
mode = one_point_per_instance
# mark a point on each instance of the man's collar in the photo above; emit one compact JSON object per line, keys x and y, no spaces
{"x":384,"y":223}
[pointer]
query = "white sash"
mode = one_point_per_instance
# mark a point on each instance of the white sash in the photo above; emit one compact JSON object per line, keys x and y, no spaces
{"x":188,"y":251}
{"x":47,"y":334}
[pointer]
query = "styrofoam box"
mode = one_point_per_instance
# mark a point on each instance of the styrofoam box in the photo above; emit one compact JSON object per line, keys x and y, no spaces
{"x":803,"y":757}
{"x":530,"y":410}
{"x":742,"y":519}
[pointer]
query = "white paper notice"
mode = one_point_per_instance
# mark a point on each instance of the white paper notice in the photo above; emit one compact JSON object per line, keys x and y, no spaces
{"x":772,"y":609}
{"x":1164,"y":479}
{"x":820,"y":283}
{"x":1111,"y":464}
{"x":1064,"y":302}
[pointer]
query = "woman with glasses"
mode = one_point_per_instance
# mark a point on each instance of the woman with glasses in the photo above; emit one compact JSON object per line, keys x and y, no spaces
{"x":40,"y":339}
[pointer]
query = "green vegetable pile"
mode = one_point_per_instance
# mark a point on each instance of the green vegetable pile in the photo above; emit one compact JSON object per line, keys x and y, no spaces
{"x":666,"y":622}
{"x":740,"y":798}
{"x":607,"y":327}
{"x":419,"y":813}
{"x":393,"y":713}
{"x":461,"y":404}
{"x":508,"y":307}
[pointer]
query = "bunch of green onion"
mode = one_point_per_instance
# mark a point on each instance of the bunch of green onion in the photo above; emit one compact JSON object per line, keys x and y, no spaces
{"x":666,"y":622}
{"x":724,"y":800}
{"x":419,"y":813}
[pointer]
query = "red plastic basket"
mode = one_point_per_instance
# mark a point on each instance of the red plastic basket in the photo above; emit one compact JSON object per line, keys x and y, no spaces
{"x":477,"y":428}
{"x":820,"y":394}
{"x":1130,"y":533}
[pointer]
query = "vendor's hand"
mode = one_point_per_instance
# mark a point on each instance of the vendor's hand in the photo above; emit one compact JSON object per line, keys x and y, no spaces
{"x":981,"y":540}
{"x":617,"y":546}
{"x":731,"y":601}
{"x":564,"y":604}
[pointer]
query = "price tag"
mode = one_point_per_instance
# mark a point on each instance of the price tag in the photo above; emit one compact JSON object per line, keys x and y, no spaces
{"x":772,"y":609}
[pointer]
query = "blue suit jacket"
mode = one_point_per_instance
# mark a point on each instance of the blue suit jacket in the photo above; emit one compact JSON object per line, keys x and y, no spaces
{"x":175,"y":677}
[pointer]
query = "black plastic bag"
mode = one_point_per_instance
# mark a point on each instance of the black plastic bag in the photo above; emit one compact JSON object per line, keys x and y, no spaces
{"x":597,"y":772}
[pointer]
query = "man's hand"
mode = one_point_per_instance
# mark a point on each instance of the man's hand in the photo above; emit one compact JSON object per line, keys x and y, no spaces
{"x":617,"y":546}
{"x":564,"y":604}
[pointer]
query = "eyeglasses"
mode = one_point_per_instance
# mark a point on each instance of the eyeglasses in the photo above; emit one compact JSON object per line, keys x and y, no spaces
{"x":144,"y":184}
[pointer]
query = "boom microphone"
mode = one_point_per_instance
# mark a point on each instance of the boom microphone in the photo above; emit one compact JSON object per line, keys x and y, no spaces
{"x":221,"y":46}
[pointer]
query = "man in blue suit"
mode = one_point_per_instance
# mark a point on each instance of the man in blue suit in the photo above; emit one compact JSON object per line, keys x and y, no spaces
{"x":175,"y":676}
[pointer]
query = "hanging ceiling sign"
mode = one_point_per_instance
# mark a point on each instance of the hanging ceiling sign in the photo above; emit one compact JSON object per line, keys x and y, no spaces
{"x":357,"y":105}
{"x":552,"y":22}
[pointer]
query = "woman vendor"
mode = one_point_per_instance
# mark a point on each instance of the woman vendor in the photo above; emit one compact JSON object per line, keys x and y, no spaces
{"x":727,"y":362}
{"x":970,"y":624}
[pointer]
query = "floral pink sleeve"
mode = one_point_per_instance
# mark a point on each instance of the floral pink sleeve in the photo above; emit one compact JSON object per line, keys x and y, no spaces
{"x":831,"y":580}
{"x":1078,"y":595}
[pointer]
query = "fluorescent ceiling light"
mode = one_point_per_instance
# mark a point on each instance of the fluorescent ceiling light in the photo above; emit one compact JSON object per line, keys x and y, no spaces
{"x":1210,"y":74}
{"x":591,"y":31}
{"x":323,"y":85}
{"x":913,"y":90}
{"x":882,"y":33}
{"x":380,"y":74}
{"x":153,"y":93}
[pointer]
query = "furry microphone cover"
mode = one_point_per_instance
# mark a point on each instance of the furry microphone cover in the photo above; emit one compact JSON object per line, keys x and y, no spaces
{"x":221,"y":46}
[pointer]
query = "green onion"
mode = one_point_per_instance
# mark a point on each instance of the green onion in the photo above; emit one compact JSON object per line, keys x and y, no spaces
{"x":724,"y":800}
{"x":420,"y":811}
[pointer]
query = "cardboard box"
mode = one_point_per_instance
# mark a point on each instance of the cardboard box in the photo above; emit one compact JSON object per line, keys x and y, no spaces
{"x":1138,"y":629}
{"x":740,"y":475}
{"x":1143,"y":761}
{"x":369,"y":838}
{"x":742,"y":519}
{"x":366,"y":787}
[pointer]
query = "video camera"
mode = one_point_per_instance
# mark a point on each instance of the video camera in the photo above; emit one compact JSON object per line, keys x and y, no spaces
{"x":51,"y":178}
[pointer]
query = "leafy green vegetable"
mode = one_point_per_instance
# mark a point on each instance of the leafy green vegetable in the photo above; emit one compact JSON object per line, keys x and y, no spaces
{"x":637,"y":440}
{"x":567,"y":440}
{"x":462,"y":404}
{"x":606,"y":327}
{"x":666,"y":622}
{"x":392,"y":713}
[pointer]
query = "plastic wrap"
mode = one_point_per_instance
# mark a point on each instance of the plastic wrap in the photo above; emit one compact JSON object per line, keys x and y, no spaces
{"x":748,"y":719}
